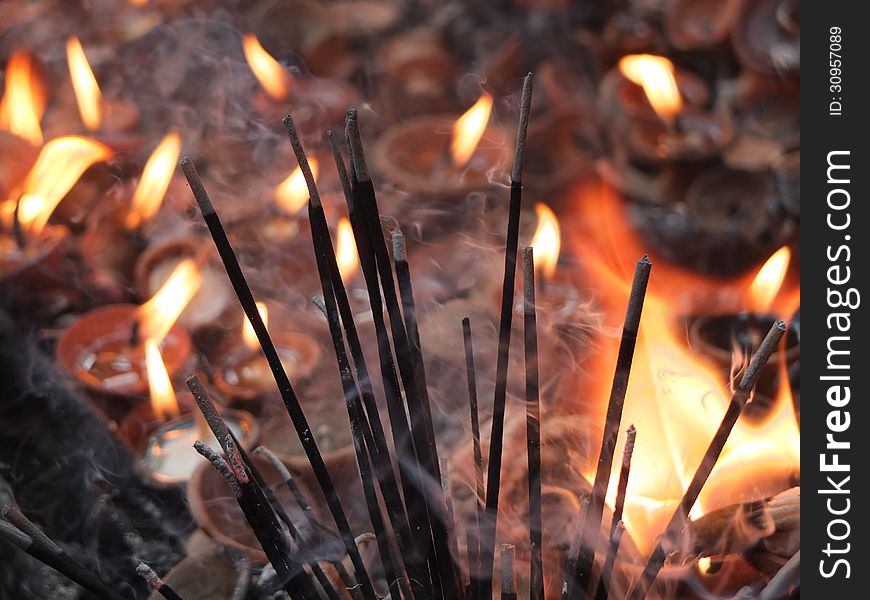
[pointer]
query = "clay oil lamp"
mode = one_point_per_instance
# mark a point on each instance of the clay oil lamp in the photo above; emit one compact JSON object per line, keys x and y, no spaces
{"x":155,"y":267}
{"x":111,"y":120}
{"x":104,"y":348}
{"x":316,"y":102}
{"x":32,"y":250}
{"x":680,"y":132}
{"x":427,"y":156}
{"x":730,"y":339}
{"x":115,"y":235}
{"x":168,"y":456}
{"x":245,"y":376}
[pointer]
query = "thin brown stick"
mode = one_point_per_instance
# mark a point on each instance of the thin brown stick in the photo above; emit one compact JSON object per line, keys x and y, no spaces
{"x":474,"y":536}
{"x":735,"y":407}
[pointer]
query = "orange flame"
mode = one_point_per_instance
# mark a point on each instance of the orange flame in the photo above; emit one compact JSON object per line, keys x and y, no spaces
{"x":23,"y":100}
{"x":84,"y":84}
{"x":468,"y":130}
{"x":676,"y":397}
{"x":766,"y":285}
{"x":60,"y":164}
{"x":547,"y":240}
{"x":249,"y":336}
{"x":656,"y":75}
{"x":267,"y":70}
{"x":292,"y":193}
{"x":155,"y":179}
{"x":159,"y":313}
{"x":163,"y":401}
{"x":345,"y":250}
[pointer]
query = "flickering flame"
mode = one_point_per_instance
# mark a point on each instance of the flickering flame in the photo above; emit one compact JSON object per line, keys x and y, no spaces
{"x":163,"y":401}
{"x":23,"y":100}
{"x":292,"y":193}
{"x":60,"y":164}
{"x":676,"y":397}
{"x":159,"y":313}
{"x":656,"y":75}
{"x":704,"y":564}
{"x":155,"y":179}
{"x":468,"y":130}
{"x":766,"y":285}
{"x":547,"y":241}
{"x":84,"y":84}
{"x":249,"y":336}
{"x":267,"y":70}
{"x":345,"y":250}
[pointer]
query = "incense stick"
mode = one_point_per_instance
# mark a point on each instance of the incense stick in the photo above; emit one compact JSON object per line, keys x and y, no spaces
{"x":156,"y":583}
{"x":533,"y":426}
{"x":735,"y":407}
{"x":618,"y":508}
{"x":409,"y":447}
{"x":477,"y":523}
{"x":591,"y":527}
{"x":288,"y":395}
{"x":37,"y":544}
{"x":320,"y":233}
{"x":508,"y":584}
{"x":504,"y":339}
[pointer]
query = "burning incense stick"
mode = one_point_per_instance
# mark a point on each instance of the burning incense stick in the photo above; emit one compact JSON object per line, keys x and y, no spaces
{"x":288,"y":395}
{"x":156,"y":583}
{"x":475,"y":528}
{"x":504,"y":340}
{"x":533,"y":426}
{"x":508,"y":583}
{"x":616,"y":521}
{"x":22,"y":533}
{"x":325,"y":256}
{"x":591,"y":528}
{"x":735,"y":407}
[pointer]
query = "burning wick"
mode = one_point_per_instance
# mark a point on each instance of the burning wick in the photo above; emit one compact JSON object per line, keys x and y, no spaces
{"x":84,"y":83}
{"x":267,"y":70}
{"x":23,"y":100}
{"x":155,"y":180}
{"x":547,"y":243}
{"x":656,"y":75}
{"x":468,"y":130}
{"x":158,"y":315}
{"x":766,"y":285}
{"x":163,"y":400}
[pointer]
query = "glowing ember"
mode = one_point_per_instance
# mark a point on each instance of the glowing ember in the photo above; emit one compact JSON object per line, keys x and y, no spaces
{"x":292,"y":193}
{"x":157,"y":316}
{"x":267,"y":70}
{"x":58,"y":167}
{"x":766,"y":285}
{"x":156,"y":176}
{"x":656,"y":75}
{"x":163,"y":401}
{"x":84,"y":84}
{"x":345,"y":250}
{"x":23,"y":100}
{"x":676,"y":397}
{"x":468,"y":130}
{"x":547,"y":241}
{"x":249,"y":337}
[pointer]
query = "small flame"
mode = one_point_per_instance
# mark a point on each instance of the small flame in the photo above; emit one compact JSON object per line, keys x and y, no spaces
{"x":163,"y":401}
{"x":155,"y":179}
{"x":704,"y":564}
{"x":345,"y":250}
{"x":60,"y":164}
{"x":23,"y":100}
{"x":267,"y":70}
{"x":767,"y":283}
{"x":158,"y":315}
{"x":84,"y":84}
{"x":249,"y":337}
{"x":656,"y":75}
{"x":468,"y":130}
{"x":292,"y":193}
{"x":547,"y":240}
